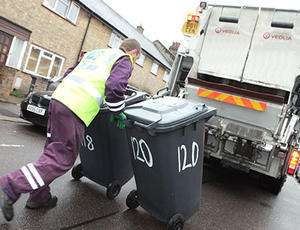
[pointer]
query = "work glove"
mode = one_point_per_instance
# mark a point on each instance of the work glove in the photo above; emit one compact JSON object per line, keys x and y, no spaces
{"x":120,"y":118}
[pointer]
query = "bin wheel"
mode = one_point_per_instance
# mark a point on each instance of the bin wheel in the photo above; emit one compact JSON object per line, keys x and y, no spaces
{"x":176,"y":222}
{"x":113,"y":190}
{"x":132,"y":201}
{"x":77,"y":172}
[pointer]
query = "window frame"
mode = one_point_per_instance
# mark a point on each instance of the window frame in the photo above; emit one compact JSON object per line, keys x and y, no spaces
{"x":18,"y":67}
{"x":114,"y":36}
{"x":166,"y":76}
{"x":154,"y":72}
{"x":41,"y":54}
{"x":70,"y":4}
{"x":73,"y":4}
{"x":143,"y":62}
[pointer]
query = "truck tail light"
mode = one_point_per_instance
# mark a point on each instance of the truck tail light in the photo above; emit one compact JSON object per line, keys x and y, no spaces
{"x":293,"y":162}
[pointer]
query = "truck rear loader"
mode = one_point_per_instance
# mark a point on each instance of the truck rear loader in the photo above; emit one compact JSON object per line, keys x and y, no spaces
{"x":245,"y":61}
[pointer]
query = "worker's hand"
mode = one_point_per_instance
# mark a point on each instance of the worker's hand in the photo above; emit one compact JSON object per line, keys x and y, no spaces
{"x":120,"y":118}
{"x":121,"y":124}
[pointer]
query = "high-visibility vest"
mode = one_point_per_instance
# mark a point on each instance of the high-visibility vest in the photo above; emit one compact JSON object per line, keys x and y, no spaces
{"x":83,"y":90}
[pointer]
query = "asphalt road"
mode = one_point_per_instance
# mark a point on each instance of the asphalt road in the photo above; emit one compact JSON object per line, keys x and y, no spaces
{"x":230,"y":200}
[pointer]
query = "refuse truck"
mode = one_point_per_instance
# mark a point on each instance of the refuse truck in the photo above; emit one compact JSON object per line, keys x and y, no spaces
{"x":244,"y":61}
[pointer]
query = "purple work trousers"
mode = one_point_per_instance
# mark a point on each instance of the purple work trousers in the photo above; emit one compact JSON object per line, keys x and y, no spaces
{"x":65,"y":133}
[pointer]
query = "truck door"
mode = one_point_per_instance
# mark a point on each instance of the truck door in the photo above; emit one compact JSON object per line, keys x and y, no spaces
{"x":227,"y":41}
{"x":274,"y":57}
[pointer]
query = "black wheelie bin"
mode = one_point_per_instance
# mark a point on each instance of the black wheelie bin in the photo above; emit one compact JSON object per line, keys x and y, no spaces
{"x":104,"y":154}
{"x":165,"y":137}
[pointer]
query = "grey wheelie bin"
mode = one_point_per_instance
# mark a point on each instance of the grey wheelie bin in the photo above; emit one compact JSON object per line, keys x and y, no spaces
{"x":165,"y":137}
{"x":104,"y":154}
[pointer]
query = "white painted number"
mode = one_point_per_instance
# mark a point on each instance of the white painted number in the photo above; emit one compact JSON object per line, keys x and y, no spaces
{"x":195,"y":157}
{"x":88,"y":142}
{"x":145,"y":156}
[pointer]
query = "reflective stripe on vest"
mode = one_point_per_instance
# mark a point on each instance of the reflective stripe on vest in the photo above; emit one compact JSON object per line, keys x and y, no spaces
{"x":88,"y":87}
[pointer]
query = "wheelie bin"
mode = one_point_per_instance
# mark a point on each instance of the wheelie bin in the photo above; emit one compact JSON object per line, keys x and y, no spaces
{"x":104,"y":154}
{"x":165,"y":136}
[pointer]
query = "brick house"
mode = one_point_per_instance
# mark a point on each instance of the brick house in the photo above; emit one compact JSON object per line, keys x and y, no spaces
{"x":43,"y":38}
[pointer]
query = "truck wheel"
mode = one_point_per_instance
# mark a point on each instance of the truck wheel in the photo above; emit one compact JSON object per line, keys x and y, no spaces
{"x":176,"y":222}
{"x":77,"y":172}
{"x":273,"y":185}
{"x":132,"y":200}
{"x":113,"y":190}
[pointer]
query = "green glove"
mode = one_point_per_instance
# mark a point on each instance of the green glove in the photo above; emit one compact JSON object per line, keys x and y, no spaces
{"x":120,"y":118}
{"x":121,"y":124}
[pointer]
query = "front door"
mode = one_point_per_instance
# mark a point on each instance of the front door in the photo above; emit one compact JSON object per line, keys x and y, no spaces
{"x":5,"y":42}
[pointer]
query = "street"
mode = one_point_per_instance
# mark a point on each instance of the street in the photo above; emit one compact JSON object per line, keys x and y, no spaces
{"x":230,"y":199}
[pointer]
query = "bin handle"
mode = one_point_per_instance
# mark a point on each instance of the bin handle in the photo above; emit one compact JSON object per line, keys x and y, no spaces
{"x":150,"y":126}
{"x":130,"y":123}
{"x":133,"y":94}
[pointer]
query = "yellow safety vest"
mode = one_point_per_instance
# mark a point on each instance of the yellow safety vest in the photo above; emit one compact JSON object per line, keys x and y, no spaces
{"x":83,"y":90}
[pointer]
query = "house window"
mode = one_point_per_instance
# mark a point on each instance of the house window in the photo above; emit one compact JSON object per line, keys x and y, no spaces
{"x":16,"y":53}
{"x":73,"y":12}
{"x":154,"y":68}
{"x":115,"y":41}
{"x":141,"y":60}
{"x":65,"y":8}
{"x":166,"y":76}
{"x":43,"y":63}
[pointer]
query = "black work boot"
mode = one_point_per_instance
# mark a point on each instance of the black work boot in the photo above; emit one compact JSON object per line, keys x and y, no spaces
{"x":35,"y":205}
{"x":6,"y":205}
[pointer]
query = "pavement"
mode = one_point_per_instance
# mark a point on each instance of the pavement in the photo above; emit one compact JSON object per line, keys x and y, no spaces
{"x":12,"y":100}
{"x":11,"y":109}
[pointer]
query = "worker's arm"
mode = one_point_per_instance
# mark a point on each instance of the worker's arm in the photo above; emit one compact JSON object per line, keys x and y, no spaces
{"x":115,"y":86}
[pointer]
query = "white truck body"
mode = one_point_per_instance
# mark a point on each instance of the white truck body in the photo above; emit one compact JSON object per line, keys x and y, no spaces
{"x":251,"y":55}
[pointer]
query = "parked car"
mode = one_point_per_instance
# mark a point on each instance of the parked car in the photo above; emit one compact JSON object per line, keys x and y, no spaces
{"x":35,"y":107}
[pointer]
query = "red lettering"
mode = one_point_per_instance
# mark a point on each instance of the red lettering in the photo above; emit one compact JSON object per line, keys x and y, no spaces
{"x":277,"y":36}
{"x":219,"y":30}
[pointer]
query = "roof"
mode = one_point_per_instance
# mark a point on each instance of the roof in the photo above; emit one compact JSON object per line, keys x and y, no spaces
{"x":102,"y":10}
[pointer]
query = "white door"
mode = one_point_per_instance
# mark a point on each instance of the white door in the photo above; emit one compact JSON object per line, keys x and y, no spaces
{"x":274,"y":58}
{"x":227,"y":41}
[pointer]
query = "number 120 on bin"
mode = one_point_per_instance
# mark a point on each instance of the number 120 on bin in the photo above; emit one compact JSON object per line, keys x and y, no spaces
{"x":142,"y":153}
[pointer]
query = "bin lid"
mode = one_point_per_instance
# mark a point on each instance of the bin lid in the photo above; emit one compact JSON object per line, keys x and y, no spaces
{"x":165,"y":114}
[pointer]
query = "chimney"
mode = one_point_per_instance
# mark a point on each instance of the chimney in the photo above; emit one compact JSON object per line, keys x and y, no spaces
{"x":174,"y":47}
{"x":140,"y":29}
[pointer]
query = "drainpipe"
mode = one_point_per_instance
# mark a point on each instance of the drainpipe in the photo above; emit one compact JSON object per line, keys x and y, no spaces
{"x":84,"y":36}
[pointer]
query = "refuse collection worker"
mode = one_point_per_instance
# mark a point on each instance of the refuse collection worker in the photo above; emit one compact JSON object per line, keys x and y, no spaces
{"x":102,"y":75}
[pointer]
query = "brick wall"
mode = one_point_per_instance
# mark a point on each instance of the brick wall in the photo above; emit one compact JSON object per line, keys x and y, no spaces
{"x":97,"y":36}
{"x":26,"y":81}
{"x":40,"y":84}
{"x":7,"y":76}
{"x":59,"y":36}
{"x":49,"y":31}
{"x":143,"y":79}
